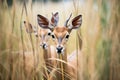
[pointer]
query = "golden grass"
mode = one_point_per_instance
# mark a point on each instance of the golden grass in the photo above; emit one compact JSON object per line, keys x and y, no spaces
{"x":98,"y":39}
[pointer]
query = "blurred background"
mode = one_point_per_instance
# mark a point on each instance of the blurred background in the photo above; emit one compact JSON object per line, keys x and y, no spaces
{"x":98,"y":38}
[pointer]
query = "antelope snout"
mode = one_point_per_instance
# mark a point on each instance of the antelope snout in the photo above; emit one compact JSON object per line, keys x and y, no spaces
{"x":44,"y":45}
{"x":60,"y":49}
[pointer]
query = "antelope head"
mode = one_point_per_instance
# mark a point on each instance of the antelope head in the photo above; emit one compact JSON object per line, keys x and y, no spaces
{"x":60,"y":34}
{"x":29,"y":27}
{"x":44,"y":34}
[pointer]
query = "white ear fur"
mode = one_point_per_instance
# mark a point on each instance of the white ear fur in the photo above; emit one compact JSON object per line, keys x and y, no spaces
{"x":43,"y":21}
{"x":76,"y":22}
{"x":55,"y":19}
{"x":70,"y":26}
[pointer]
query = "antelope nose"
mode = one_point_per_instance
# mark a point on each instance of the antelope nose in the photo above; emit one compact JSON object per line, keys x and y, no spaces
{"x":59,"y":49}
{"x":44,"y":45}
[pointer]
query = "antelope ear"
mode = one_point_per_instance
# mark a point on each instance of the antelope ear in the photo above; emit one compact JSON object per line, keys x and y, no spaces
{"x":43,"y":22}
{"x":28,"y":26}
{"x":54,"y":19}
{"x":76,"y":22}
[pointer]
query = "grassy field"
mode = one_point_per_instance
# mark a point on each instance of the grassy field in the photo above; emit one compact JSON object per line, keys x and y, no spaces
{"x":98,"y":39}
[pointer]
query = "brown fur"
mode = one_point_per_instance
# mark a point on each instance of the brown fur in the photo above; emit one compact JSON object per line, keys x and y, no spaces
{"x":60,"y":31}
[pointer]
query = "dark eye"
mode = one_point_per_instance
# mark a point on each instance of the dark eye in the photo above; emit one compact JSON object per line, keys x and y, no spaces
{"x":67,"y":36}
{"x":53,"y":36}
{"x":36,"y":35}
{"x":49,"y":33}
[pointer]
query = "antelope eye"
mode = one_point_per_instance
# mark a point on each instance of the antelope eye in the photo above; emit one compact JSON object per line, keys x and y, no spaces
{"x":36,"y":35}
{"x":67,"y":36}
{"x":49,"y":33}
{"x":53,"y":36}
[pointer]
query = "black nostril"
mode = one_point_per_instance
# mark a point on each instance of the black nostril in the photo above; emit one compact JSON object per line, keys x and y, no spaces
{"x":44,"y":45}
{"x":59,"y":49}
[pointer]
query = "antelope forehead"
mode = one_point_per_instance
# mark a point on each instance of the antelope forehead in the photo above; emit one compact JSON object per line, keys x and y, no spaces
{"x":60,"y":29}
{"x":60,"y":34}
{"x":44,"y":31}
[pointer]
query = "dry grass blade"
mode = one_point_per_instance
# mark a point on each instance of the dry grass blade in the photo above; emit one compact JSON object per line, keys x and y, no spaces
{"x":31,"y":40}
{"x":21,"y":31}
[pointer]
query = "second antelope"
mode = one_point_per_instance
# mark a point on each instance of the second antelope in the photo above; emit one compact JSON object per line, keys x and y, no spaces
{"x":48,"y":51}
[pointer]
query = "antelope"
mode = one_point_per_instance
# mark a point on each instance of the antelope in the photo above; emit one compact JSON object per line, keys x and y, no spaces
{"x":60,"y":34}
{"x":43,"y":35}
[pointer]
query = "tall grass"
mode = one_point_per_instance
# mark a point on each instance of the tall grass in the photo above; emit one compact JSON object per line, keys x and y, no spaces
{"x":98,"y":39}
